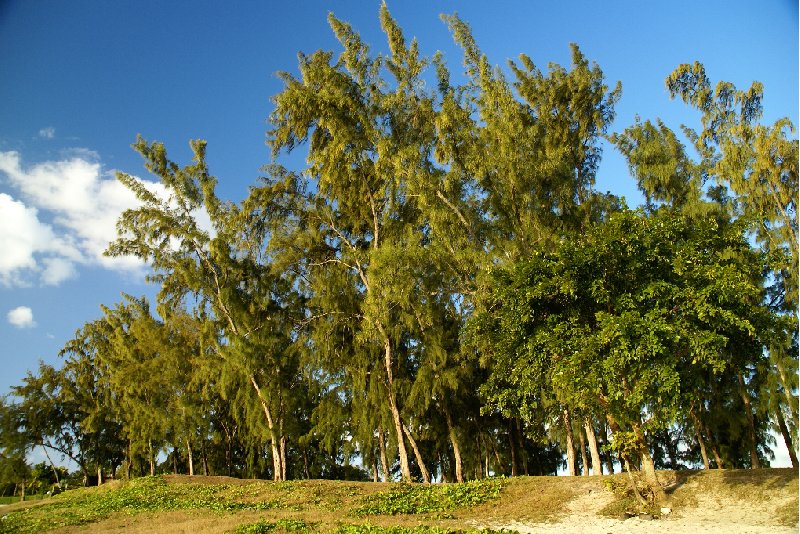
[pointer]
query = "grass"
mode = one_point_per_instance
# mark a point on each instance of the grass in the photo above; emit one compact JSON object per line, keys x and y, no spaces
{"x":222,"y":504}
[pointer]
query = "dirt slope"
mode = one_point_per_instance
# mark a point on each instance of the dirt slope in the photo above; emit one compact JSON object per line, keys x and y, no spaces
{"x":730,"y":501}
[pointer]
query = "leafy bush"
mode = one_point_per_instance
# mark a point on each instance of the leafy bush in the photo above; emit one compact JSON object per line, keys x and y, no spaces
{"x":416,"y":499}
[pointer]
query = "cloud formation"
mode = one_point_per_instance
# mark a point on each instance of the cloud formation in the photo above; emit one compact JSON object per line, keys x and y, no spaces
{"x":65,"y":218}
{"x":21,"y":317}
{"x":47,"y":133}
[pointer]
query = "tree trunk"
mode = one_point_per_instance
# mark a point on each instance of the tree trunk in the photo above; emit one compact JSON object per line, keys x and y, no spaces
{"x":699,"y":430}
{"x":374,"y":471}
{"x":52,"y":465}
{"x":283,"y":457}
{"x":755,"y":463}
{"x":648,"y":466}
{"x":405,"y":470}
{"x":787,"y":437}
{"x":521,"y":443}
{"x":570,"y":444}
{"x":512,"y":448}
{"x":426,"y":476}
{"x":277,"y":469}
{"x":584,"y":459}
{"x":703,"y":453}
{"x":22,"y":491}
{"x":597,"y":464}
{"x":99,"y":475}
{"x":305,"y":464}
{"x":204,"y":455}
{"x":717,"y":457}
{"x":607,"y":456}
{"x":174,"y":460}
{"x":787,"y":391}
{"x":454,"y":441}
{"x":382,"y":450}
{"x":190,"y":459}
{"x":151,"y":458}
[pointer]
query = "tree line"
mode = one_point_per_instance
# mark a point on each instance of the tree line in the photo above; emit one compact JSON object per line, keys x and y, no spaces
{"x":441,"y":293}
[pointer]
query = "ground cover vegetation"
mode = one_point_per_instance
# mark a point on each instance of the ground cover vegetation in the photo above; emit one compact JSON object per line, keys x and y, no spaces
{"x":441,"y":294}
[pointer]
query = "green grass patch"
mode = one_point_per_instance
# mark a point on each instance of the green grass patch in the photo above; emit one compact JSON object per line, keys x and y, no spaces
{"x":280,"y":526}
{"x":423,"y":499}
{"x":147,"y":494}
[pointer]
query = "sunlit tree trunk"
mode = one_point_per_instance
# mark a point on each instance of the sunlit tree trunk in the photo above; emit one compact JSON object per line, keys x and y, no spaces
{"x":190,"y":458}
{"x":571,"y":470}
{"x":454,"y":441}
{"x":426,"y":476}
{"x":382,"y":451}
{"x":597,"y":464}
{"x":787,"y":437}
{"x":755,"y":463}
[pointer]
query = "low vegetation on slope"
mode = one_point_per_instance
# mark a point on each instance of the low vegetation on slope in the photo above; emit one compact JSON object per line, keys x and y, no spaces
{"x":221,"y":504}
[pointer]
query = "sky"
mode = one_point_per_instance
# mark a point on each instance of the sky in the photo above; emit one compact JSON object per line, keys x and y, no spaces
{"x":80,"y":79}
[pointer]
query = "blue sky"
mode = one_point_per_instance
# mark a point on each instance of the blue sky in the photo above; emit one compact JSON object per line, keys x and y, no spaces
{"x":80,"y":79}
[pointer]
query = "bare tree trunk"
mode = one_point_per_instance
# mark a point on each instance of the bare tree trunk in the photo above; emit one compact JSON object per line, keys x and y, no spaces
{"x":174,"y":460}
{"x":597,"y":464}
{"x":570,"y":444}
{"x":513,"y":448}
{"x":305,"y":464}
{"x":787,"y":391}
{"x":99,"y":475}
{"x":382,"y":450}
{"x":442,"y":470}
{"x":521,"y":442}
{"x":454,"y":441}
{"x":787,"y":437}
{"x":703,"y":453}
{"x":283,"y":456}
{"x":130,"y":462}
{"x":277,"y":469}
{"x":584,"y":458}
{"x":607,"y":456}
{"x":22,"y":492}
{"x":204,"y":455}
{"x":190,"y":459}
{"x":648,"y":466}
{"x":151,"y":458}
{"x":405,"y":470}
{"x":374,"y":471}
{"x":755,"y":463}
{"x":52,"y":465}
{"x":426,"y":476}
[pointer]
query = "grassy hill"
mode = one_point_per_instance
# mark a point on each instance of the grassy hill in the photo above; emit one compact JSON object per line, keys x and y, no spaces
{"x":728,"y":500}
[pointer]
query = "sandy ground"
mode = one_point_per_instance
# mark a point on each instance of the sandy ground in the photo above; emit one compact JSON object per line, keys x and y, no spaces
{"x":712,"y":514}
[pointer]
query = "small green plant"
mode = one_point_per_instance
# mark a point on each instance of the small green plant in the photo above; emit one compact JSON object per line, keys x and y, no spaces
{"x":418,"y":499}
{"x":282,"y":525}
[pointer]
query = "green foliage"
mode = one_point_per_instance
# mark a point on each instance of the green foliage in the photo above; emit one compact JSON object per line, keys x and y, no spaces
{"x":282,"y":525}
{"x":421,"y":499}
{"x":146,"y":494}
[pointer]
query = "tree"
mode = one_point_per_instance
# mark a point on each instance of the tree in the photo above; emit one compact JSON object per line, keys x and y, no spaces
{"x":626,"y":320}
{"x":223,"y":271}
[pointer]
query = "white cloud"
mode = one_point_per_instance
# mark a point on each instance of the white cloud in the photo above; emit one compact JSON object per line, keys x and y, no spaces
{"x":23,"y":237}
{"x":47,"y":133}
{"x":21,"y":317}
{"x":81,"y":204}
{"x":56,"y":270}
